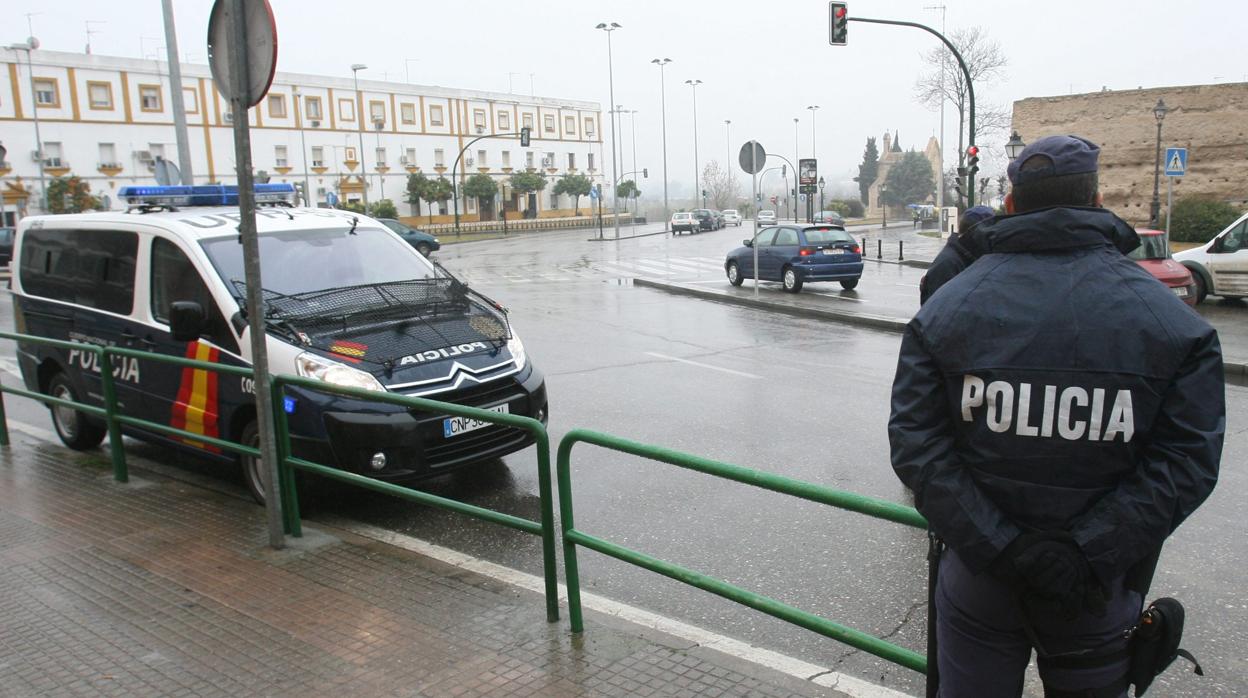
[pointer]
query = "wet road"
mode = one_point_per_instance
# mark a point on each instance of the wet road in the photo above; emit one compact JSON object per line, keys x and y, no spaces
{"x":800,"y":397}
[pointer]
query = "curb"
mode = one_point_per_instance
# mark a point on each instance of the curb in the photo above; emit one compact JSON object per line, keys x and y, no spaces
{"x":879,"y":322}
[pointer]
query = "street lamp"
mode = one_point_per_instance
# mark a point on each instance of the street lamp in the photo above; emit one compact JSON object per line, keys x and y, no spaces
{"x":884,"y":204}
{"x":359,"y":120}
{"x":821,"y":194}
{"x":661,"y":62}
{"x":1014,"y":146}
{"x":796,"y":158}
{"x":609,"y":27}
{"x":1154,"y":208}
{"x":813,"y":108}
{"x":31,"y":44}
{"x":697,"y":174}
{"x":303,"y":147}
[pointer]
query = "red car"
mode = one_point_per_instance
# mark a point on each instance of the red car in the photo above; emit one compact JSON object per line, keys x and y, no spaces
{"x":1154,"y":255}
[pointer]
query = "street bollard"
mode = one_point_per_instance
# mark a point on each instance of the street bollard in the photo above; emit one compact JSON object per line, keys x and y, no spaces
{"x":879,"y":249}
{"x":901,"y":250}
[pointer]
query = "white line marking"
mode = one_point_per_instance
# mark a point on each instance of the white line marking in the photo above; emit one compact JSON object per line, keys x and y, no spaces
{"x":743,"y":374}
{"x":909,"y":285}
{"x":775,"y":661}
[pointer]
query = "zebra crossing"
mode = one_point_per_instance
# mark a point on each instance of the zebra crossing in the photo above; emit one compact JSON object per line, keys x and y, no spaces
{"x":674,"y":268}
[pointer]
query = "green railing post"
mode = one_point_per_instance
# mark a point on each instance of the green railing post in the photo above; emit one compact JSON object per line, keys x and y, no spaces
{"x":542,"y":441}
{"x":570,"y":570}
{"x":293,"y":522}
{"x":4,"y":421}
{"x":116,"y":450}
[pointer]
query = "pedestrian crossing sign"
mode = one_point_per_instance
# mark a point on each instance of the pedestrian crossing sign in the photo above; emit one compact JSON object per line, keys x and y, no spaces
{"x":1176,"y":162}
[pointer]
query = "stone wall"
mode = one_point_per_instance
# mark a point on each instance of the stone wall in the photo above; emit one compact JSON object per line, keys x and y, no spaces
{"x":1211,"y":121}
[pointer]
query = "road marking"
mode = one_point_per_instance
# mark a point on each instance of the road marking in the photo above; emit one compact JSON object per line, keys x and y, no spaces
{"x":908,"y":285}
{"x":743,"y":374}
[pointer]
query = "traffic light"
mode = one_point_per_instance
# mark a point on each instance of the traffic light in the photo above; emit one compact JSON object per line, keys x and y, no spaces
{"x":784,"y":171}
{"x":957,"y":188}
{"x":645,"y":172}
{"x":838,"y":23}
{"x":972,"y":159}
{"x":774,"y":199}
{"x":524,"y":137}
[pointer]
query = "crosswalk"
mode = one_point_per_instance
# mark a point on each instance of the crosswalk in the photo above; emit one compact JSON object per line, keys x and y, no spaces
{"x":672,"y":268}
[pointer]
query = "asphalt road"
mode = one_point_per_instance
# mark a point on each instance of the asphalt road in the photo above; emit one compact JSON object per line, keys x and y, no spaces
{"x":799,"y":397}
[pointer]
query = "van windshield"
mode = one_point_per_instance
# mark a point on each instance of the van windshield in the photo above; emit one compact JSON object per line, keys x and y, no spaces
{"x":300,"y":261}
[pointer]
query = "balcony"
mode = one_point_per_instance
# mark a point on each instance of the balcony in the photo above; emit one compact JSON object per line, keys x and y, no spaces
{"x":110,"y":169}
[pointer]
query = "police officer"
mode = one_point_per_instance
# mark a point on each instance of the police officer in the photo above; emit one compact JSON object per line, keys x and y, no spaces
{"x":959,"y":251}
{"x":1057,"y":414}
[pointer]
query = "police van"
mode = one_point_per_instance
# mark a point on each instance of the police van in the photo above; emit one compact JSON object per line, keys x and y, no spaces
{"x":346,"y":301}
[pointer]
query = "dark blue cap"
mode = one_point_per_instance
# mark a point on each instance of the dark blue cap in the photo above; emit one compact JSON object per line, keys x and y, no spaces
{"x":1067,"y":154}
{"x":974,"y":215}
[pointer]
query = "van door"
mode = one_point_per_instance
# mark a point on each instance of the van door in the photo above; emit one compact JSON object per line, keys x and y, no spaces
{"x":188,"y":398}
{"x":104,"y":291}
{"x":1228,"y":262}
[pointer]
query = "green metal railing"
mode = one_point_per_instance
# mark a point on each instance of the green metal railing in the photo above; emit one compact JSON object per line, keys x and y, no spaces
{"x":545,"y":528}
{"x":816,"y":493}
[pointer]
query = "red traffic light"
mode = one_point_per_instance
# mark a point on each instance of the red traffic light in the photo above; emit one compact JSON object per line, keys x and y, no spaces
{"x":973,"y":151}
{"x":841,"y":11}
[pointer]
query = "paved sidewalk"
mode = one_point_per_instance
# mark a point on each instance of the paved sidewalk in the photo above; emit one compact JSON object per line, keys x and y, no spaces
{"x":164,"y":588}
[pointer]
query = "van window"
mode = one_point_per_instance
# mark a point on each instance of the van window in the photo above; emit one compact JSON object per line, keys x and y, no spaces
{"x":93,"y":268}
{"x":174,"y":278}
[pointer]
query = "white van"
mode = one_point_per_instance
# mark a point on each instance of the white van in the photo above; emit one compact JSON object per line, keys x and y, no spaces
{"x":347,"y":301}
{"x":1220,"y":266}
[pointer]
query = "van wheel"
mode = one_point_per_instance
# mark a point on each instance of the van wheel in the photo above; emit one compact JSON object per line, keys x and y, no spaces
{"x":850,"y":284}
{"x":77,"y":430}
{"x":792,"y":282}
{"x":251,"y":465}
{"x":734,"y":274}
{"x":424,"y":249}
{"x":1201,"y":289}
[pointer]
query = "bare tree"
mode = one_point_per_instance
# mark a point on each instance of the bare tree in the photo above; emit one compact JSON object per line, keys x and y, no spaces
{"x":986,"y":63}
{"x":721,"y":185}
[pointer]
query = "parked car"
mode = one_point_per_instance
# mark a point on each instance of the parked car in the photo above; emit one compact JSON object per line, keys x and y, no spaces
{"x":1220,"y":266}
{"x":797,"y":254}
{"x":422,"y":241}
{"x":684,"y":222}
{"x":732,"y":217}
{"x":706,"y":219}
{"x":765,"y":218}
{"x":830,"y":218}
{"x":1153,"y":255}
{"x":6,"y":246}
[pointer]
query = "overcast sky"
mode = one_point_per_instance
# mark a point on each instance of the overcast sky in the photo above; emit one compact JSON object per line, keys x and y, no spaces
{"x":761,"y":64}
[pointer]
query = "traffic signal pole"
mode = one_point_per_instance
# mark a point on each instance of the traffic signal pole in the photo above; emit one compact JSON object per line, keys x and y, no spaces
{"x":970,"y":88}
{"x":455,"y":168}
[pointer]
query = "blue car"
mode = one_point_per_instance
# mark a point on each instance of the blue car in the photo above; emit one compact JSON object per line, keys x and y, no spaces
{"x":422,"y":241}
{"x":796,"y":254}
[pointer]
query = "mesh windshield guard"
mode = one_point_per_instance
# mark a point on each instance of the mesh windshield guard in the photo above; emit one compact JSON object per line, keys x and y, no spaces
{"x":393,"y":319}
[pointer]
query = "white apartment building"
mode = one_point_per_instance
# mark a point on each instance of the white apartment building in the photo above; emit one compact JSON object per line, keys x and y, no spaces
{"x":107,"y":120}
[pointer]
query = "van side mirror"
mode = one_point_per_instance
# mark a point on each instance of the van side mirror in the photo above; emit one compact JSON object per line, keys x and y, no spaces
{"x":186,"y":321}
{"x":747,"y":242}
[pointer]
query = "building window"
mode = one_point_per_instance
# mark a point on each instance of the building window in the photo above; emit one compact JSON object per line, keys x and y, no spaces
{"x":318,"y":156}
{"x":571,"y":161}
{"x":108,"y":155}
{"x":528,"y":159}
{"x":407,"y":111}
{"x":481,"y":160}
{"x":150,"y":98}
{"x":506,"y":159}
{"x":409,"y":157}
{"x":348,"y":154}
{"x":549,"y":161}
{"x":548,"y":123}
{"x":439,"y":158}
{"x":380,"y":155}
{"x":312,"y":105}
{"x":190,"y":100}
{"x":279,"y":156}
{"x":377,"y":112}
{"x":346,"y":110}
{"x":52,"y":154}
{"x":277,"y":106}
{"x":590,"y":161}
{"x":504,"y":121}
{"x":589,"y":126}
{"x":435,"y":115}
{"x":478,"y":118}
{"x":99,"y":95}
{"x":527,"y":120}
{"x":569,"y":125}
{"x":47,"y":92}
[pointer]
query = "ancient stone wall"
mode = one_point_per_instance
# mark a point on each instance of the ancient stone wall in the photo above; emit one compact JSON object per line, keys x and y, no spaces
{"x":1211,"y":121}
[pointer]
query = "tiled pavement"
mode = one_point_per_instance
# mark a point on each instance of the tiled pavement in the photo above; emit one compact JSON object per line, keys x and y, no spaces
{"x":163,"y":588}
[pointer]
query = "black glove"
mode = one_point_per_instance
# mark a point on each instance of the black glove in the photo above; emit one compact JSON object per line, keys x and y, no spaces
{"x":1051,"y":566}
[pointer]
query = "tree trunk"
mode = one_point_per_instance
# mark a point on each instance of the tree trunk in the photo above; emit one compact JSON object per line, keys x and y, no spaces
{"x":576,"y":205}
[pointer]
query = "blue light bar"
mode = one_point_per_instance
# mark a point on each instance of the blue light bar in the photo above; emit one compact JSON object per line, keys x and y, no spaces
{"x":203,"y":194}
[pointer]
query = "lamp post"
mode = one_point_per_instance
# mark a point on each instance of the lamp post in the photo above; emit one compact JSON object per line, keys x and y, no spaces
{"x":821,"y":194}
{"x":796,"y":157}
{"x":609,"y":27}
{"x":303,"y":147}
{"x":661,"y":62}
{"x":359,"y":120}
{"x":884,"y":204}
{"x":697,"y":173}
{"x":1014,"y":146}
{"x":728,"y":151}
{"x":31,"y":44}
{"x":810,"y":218}
{"x":1154,"y":209}
{"x":632,"y":122}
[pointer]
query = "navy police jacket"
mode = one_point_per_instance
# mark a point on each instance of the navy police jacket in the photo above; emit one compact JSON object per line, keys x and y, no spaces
{"x":1055,"y":385}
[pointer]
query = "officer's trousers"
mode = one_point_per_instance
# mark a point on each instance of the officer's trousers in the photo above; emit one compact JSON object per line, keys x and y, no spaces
{"x":984,"y":648}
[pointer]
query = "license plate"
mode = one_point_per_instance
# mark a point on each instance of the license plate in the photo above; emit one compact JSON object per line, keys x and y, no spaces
{"x":834,"y":250}
{"x":454,"y":426}
{"x":1180,"y":291}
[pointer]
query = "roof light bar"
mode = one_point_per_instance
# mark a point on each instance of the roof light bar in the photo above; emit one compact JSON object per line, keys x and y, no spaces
{"x":203,"y":194}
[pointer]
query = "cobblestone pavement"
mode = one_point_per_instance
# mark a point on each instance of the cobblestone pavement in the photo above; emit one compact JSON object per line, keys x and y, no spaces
{"x":163,"y":588}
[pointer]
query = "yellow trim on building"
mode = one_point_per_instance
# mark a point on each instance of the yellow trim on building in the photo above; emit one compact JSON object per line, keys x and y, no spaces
{"x":259,"y":116}
{"x":73,"y":93}
{"x":333,"y":108}
{"x":125,"y":96}
{"x":112,"y":103}
{"x":203,"y":99}
{"x":422,"y":114}
{"x":17,"y":91}
{"x":276,"y":99}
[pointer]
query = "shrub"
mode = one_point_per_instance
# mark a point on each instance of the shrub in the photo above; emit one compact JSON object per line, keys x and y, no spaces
{"x":1198,"y":220}
{"x":383,"y":209}
{"x":850,"y":208}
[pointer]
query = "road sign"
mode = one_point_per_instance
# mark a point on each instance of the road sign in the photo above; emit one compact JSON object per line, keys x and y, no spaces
{"x":1176,"y":162}
{"x":593,"y":193}
{"x":261,"y":47}
{"x":808,"y":188}
{"x":752,"y":157}
{"x":808,"y":170}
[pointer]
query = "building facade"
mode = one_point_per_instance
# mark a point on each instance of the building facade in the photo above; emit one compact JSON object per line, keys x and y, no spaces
{"x":891,"y":153}
{"x":108,"y":120}
{"x":1211,"y":121}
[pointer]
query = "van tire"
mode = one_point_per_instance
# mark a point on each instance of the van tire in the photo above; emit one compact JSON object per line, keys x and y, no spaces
{"x":252,"y":477}
{"x":424,"y":249}
{"x":76,"y":430}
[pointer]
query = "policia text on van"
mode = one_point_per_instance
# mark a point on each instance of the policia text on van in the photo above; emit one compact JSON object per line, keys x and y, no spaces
{"x":346,"y":301}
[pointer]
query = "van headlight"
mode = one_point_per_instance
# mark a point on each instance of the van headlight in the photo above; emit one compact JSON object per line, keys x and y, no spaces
{"x":309,"y":365}
{"x":516,"y":347}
